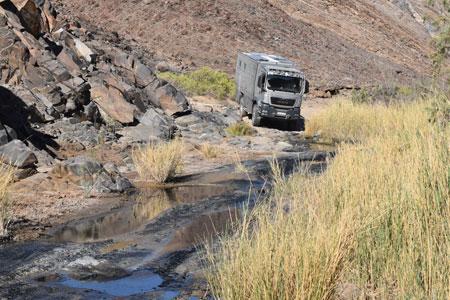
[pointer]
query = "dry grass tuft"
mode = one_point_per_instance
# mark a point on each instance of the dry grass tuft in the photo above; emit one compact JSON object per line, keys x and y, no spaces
{"x":209,"y":151}
{"x":158,"y":162}
{"x":239,"y":129}
{"x":6,"y":177}
{"x":377,"y":219}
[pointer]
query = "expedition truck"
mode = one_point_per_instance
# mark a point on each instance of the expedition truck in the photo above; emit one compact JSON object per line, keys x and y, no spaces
{"x":270,"y":87}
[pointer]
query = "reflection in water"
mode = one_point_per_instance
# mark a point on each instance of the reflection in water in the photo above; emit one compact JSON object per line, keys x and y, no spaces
{"x":204,"y":228}
{"x":149,"y":204}
{"x":137,"y":283}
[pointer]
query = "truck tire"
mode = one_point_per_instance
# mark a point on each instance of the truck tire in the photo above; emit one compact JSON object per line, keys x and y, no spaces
{"x":297,"y":125}
{"x":256,"y":117}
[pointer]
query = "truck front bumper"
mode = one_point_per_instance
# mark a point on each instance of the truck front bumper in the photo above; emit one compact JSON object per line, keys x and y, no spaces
{"x":272,"y":112}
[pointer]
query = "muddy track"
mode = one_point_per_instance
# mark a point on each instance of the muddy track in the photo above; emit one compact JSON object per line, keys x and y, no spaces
{"x":150,"y":246}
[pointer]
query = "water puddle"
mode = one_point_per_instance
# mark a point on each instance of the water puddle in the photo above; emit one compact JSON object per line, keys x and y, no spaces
{"x":137,"y":283}
{"x":146,"y":206}
{"x":203,"y":229}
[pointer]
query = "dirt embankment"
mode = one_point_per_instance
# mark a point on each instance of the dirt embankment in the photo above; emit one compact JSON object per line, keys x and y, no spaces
{"x":338,"y":43}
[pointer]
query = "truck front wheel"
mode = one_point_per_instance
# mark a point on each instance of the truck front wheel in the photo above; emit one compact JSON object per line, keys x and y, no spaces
{"x":297,"y":125}
{"x":256,"y":117}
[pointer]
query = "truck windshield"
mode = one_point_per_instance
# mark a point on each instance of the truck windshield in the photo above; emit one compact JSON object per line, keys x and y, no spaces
{"x":283,"y":83}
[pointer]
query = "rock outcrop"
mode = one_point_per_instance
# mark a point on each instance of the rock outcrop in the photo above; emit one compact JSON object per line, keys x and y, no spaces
{"x":63,"y":83}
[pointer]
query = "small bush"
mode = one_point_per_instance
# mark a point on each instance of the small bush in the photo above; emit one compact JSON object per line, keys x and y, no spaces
{"x":158,"y":162}
{"x":6,"y":177}
{"x":204,"y":81}
{"x":239,"y":129}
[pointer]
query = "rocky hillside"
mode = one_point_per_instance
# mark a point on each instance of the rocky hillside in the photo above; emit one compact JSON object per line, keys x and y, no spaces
{"x":62,"y":84}
{"x":338,"y":43}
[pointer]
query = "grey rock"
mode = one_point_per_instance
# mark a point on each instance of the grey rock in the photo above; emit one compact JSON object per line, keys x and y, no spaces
{"x":82,"y":166}
{"x":106,"y":183}
{"x":3,"y":136}
{"x":91,"y":112}
{"x":20,"y":174}
{"x":68,"y":131}
{"x":157,"y":118}
{"x":144,"y":76}
{"x":144,"y":133}
{"x":111,"y":168}
{"x":188,"y":120}
{"x":11,"y":132}
{"x":16,"y":153}
{"x":168,"y":98}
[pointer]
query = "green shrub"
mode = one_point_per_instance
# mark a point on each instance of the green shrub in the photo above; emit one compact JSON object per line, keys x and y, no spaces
{"x":204,"y":81}
{"x":239,"y":129}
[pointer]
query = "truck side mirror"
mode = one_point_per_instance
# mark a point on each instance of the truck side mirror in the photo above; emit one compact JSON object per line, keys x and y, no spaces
{"x":306,"y":86}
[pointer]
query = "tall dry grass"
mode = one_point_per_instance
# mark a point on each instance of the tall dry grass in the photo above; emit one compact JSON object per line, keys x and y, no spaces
{"x":378,"y":219}
{"x":158,"y":162}
{"x":345,"y":121}
{"x":6,"y":177}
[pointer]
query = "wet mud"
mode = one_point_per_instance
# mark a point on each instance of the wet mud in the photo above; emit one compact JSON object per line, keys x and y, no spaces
{"x":151,"y":246}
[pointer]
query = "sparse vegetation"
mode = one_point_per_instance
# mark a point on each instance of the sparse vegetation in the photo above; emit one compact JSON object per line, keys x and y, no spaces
{"x":386,"y":94}
{"x":6,"y":177}
{"x":204,"y":81}
{"x":378,"y":219}
{"x":158,"y":162}
{"x":239,"y":129}
{"x":209,"y":151}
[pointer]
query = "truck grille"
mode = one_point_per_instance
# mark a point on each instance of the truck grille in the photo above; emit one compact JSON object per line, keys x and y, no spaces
{"x":282,"y":102}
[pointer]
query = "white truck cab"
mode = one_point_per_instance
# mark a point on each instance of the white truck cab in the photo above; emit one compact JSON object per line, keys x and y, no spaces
{"x":271,"y":87}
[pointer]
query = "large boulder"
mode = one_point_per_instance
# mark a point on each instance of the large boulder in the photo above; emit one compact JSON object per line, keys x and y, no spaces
{"x":93,"y":176}
{"x":167,"y":97}
{"x":111,"y":101}
{"x":82,"y":166}
{"x":17,"y":154}
{"x":154,"y":125}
